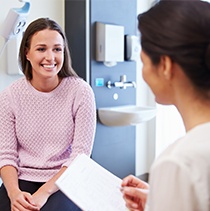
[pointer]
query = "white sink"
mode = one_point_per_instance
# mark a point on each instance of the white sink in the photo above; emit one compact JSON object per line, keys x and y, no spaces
{"x":125,"y":115}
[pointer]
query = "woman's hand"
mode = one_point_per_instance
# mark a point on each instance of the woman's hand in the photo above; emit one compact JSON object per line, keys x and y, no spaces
{"x":19,"y":200}
{"x":135,"y":193}
{"x":40,"y":197}
{"x":22,"y":201}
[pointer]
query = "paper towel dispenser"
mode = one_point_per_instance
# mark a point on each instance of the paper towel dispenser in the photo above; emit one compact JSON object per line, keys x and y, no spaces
{"x":109,"y":43}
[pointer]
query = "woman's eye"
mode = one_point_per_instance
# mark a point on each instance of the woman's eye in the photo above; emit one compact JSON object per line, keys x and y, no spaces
{"x":41,"y":49}
{"x":58,"y":49}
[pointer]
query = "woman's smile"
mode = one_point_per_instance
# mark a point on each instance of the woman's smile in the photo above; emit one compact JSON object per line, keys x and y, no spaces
{"x":49,"y":66}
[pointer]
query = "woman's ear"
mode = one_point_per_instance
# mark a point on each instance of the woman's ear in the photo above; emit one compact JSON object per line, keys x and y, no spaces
{"x":26,"y":54}
{"x":166,"y":67}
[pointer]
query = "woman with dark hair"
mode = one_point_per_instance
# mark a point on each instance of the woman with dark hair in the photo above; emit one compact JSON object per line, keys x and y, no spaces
{"x":47,"y":118}
{"x":175,"y":40}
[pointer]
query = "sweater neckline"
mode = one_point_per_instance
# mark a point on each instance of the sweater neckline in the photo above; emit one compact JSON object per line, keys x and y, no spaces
{"x":46,"y":94}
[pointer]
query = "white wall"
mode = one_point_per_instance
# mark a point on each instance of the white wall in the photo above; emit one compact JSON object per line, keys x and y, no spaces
{"x":145,"y":132}
{"x":53,"y":9}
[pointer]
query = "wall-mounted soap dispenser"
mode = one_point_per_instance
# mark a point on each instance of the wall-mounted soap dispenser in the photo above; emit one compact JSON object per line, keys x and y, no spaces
{"x":109,"y":43}
{"x":132,"y":48}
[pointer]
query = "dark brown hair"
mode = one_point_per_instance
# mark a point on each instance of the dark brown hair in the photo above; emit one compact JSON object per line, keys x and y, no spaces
{"x":39,"y":25}
{"x":181,"y":30}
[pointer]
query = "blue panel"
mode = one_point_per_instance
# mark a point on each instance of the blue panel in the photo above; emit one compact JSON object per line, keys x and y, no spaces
{"x":114,"y":147}
{"x":99,"y":82}
{"x":120,"y":12}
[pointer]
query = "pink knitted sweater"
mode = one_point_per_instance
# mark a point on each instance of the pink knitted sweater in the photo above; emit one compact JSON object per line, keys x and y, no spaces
{"x":41,"y":132}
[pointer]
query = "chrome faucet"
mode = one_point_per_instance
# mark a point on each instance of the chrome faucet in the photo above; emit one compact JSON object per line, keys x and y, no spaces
{"x":123,"y":84}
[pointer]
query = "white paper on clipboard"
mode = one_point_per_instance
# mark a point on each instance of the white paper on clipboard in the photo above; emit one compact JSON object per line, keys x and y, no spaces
{"x":91,"y":186}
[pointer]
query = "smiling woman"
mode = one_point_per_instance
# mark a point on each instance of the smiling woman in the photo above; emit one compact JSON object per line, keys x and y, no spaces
{"x":46,"y":57}
{"x":47,"y":118}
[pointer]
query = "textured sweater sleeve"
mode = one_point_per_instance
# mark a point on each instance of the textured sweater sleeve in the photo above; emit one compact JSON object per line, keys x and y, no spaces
{"x":85,"y":122}
{"x":8,"y":149}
